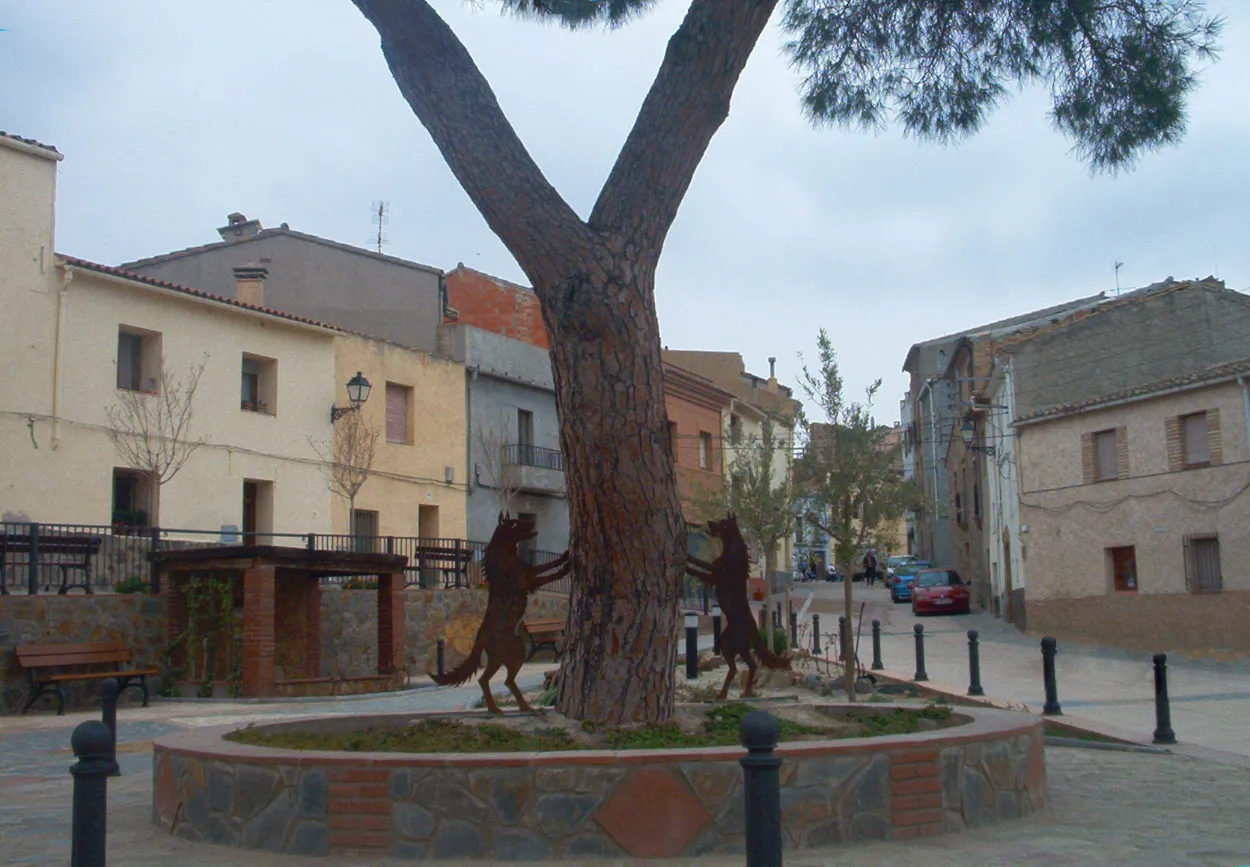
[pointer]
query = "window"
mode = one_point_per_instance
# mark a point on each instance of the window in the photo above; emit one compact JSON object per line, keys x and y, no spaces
{"x":705,"y":451}
{"x":131,"y":498}
{"x":1105,"y":454}
{"x":257,"y":511}
{"x":735,"y":429}
{"x":427,"y":522}
{"x":1123,"y":568}
{"x":1202,"y":564}
{"x":259,"y":391}
{"x":938,"y":578}
{"x":959,"y":509}
{"x":1194,"y":440}
{"x":365,"y":530}
{"x":976,"y":502}
{"x":138,"y":359}
{"x":1194,"y":436}
{"x":398,"y":409}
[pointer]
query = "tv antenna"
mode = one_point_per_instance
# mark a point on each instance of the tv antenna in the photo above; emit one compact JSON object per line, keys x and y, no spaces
{"x":1118,"y":266}
{"x":381,"y":217}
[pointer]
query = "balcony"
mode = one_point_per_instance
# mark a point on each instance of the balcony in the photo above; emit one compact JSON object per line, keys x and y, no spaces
{"x":534,"y":469}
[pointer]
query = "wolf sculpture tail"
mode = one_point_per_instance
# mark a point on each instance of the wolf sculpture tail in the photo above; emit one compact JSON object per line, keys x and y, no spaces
{"x":462,"y":672}
{"x":766,"y":656}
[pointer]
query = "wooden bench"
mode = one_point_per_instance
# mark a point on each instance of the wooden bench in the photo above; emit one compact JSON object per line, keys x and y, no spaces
{"x":74,"y":549}
{"x":45,"y":666}
{"x":544,"y":632}
{"x":453,"y":561}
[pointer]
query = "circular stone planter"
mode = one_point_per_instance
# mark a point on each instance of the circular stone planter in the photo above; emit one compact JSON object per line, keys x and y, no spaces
{"x":589,"y":803}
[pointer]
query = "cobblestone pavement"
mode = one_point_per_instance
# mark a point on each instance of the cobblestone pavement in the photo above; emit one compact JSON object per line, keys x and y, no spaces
{"x":1106,"y":808}
{"x":1210,"y":699}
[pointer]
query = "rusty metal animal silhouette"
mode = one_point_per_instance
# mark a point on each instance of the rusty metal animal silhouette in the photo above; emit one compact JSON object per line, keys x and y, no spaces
{"x":728,"y":574}
{"x":509,"y":582}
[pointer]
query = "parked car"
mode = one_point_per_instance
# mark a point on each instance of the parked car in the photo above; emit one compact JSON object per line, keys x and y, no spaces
{"x":904,"y":575}
{"x":893,"y":563}
{"x":937,"y":590}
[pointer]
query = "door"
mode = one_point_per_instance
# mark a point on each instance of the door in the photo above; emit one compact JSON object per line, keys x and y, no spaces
{"x":528,"y":546}
{"x":365,"y":530}
{"x":251,"y":494}
{"x":525,"y":437}
{"x":1008,"y":613}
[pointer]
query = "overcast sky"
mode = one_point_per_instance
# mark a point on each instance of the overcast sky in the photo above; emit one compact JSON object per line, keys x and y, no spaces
{"x":172,"y":115}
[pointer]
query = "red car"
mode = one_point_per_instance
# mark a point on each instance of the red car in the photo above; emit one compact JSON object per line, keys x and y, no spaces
{"x":937,"y":590}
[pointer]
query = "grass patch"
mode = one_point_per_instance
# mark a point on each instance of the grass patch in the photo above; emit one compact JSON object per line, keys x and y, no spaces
{"x":720,"y":729}
{"x":1059,"y":730}
{"x":427,"y":736}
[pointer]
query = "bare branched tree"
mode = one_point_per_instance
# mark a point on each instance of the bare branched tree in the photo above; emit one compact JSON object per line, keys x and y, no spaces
{"x":349,"y":460}
{"x":491,"y":468}
{"x":152,"y":432}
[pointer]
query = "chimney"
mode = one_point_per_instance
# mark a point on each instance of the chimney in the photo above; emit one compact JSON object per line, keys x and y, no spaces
{"x":239,"y":227}
{"x":772,"y":373}
{"x":249,"y":284}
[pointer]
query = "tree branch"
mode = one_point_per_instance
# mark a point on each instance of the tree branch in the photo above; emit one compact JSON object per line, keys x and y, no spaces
{"x":687,"y":103}
{"x":452,"y":99}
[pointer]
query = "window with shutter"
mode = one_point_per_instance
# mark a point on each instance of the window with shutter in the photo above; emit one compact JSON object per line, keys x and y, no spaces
{"x":397,"y":400}
{"x":1197,"y":444}
{"x":1106,"y":452}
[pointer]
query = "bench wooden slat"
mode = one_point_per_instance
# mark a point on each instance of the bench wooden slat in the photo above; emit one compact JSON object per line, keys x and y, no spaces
{"x":97,"y":658}
{"x":24,"y":649}
{"x":99,"y":675}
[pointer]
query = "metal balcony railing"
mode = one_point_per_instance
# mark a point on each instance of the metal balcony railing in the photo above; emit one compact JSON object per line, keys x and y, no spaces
{"x":524,"y":455}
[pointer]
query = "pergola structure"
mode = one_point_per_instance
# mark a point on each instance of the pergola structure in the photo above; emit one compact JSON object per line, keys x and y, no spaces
{"x":280,"y":593}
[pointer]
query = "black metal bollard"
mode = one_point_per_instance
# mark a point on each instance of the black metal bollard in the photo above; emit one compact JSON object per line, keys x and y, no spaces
{"x":441,"y":658}
{"x":692,"y":647}
{"x":716,"y":629}
{"x":761,"y":786}
{"x":1051,"y":707}
{"x":764,"y":618}
{"x":90,"y":742}
{"x":876,"y":646}
{"x":815,"y":635}
{"x":974,"y":664}
{"x":842,"y":636}
{"x":1163,"y":713}
{"x":921,"y":674}
{"x":794,"y":629}
{"x":108,"y":716}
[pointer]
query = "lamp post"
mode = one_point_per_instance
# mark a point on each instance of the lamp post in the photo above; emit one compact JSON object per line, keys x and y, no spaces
{"x":358,"y":389}
{"x":968,"y":432}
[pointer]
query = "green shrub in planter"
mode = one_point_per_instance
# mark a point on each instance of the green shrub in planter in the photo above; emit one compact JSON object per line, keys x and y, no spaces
{"x":131,"y":585}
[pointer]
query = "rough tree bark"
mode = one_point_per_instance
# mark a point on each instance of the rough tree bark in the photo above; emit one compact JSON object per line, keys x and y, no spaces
{"x":595,"y":280}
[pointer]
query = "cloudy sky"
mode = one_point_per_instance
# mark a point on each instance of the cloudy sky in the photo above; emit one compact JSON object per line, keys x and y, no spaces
{"x":172,"y":115}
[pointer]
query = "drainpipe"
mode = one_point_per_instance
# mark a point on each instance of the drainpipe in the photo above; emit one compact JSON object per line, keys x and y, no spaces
{"x":67,"y":276}
{"x":1245,"y":400}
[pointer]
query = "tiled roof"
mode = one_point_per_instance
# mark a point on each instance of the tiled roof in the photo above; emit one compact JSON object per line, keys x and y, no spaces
{"x":1210,"y":374}
{"x":187,"y":290}
{"x":282,"y":230}
{"x":29,"y":141}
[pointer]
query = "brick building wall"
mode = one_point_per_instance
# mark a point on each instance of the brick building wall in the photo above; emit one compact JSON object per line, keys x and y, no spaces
{"x":495,"y":305}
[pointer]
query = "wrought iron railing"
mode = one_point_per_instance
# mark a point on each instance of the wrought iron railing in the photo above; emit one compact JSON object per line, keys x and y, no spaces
{"x":525,"y":455}
{"x":57,"y":558}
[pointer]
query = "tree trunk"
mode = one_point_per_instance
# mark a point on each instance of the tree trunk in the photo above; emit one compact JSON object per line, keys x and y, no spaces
{"x":595,"y":280}
{"x":848,"y":647}
{"x":627,"y":541}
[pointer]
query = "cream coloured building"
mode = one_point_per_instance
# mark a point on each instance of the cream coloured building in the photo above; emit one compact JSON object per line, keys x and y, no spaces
{"x":79,"y":337}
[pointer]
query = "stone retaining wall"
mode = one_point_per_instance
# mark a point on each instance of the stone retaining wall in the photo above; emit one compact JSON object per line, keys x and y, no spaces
{"x":588,"y":804}
{"x":348,"y":627}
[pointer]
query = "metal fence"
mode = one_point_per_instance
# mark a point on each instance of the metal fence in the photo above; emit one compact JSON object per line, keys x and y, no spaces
{"x":525,"y":455}
{"x":57,"y":558}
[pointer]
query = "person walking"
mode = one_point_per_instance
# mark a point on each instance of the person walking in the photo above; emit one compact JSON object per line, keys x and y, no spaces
{"x":870,"y":568}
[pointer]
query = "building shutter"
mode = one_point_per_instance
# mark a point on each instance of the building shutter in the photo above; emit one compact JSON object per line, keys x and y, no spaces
{"x":1121,"y":453}
{"x":1089,"y":460}
{"x":1215,"y":440}
{"x":396,"y":413}
{"x":1176,"y":444}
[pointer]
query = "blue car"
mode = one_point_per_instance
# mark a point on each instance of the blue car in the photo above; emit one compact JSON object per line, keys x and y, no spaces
{"x":904,"y":578}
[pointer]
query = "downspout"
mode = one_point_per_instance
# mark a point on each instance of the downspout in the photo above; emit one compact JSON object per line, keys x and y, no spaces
{"x":1245,"y":400}
{"x":61,"y":293}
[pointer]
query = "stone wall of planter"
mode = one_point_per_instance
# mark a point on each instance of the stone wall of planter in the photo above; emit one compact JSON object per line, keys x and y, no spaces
{"x":588,"y":804}
{"x":135,"y":618}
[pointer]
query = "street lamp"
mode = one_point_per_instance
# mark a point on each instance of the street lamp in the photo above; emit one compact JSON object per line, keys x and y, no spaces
{"x":968,"y":432}
{"x":358,"y":389}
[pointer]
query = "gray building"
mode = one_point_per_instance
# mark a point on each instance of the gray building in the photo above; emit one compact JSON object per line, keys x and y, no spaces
{"x":936,"y":410}
{"x":382,"y":296}
{"x":514,"y":456}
